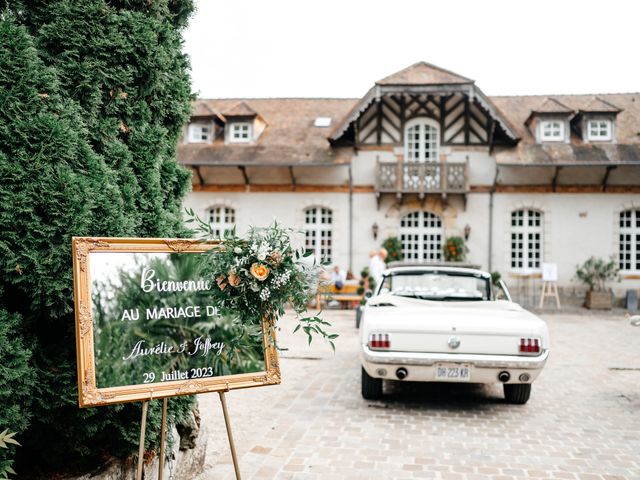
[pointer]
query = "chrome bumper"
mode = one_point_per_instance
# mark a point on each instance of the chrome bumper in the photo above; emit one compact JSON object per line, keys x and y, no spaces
{"x":480,"y":361}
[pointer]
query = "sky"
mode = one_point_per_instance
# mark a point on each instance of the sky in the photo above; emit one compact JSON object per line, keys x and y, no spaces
{"x":329,"y":48}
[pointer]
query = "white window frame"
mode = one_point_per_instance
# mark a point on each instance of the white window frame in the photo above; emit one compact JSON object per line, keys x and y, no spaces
{"x":240,"y":132}
{"x":222,"y":219}
{"x":318,"y":232}
{"x":421,"y":236}
{"x":422,"y":140}
{"x":629,"y":241}
{"x":526,"y":252}
{"x":599,"y":137}
{"x":548,"y":135}
{"x":199,"y":132}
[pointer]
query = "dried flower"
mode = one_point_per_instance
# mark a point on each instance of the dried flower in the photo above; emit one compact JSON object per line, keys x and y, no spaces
{"x":259,"y":271}
{"x":275,"y":258}
{"x":234,"y":279}
{"x":221,"y":282}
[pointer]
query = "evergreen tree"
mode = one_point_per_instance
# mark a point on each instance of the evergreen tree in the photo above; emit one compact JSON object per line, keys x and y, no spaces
{"x":93,"y":96}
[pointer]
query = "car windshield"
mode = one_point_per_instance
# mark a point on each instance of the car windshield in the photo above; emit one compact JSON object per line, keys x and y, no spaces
{"x":438,"y":285}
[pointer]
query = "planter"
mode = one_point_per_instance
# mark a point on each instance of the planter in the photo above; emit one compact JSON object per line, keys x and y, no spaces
{"x":596,"y":300}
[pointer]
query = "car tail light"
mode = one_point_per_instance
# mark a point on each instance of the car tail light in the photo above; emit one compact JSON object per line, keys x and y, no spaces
{"x":379,"y":341}
{"x":530,"y":346}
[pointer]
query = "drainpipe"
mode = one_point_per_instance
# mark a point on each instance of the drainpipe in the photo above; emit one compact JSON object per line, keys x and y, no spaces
{"x":350,"y":219}
{"x":491,"y":192}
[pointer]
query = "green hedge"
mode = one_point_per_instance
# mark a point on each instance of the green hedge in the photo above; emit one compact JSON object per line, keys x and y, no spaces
{"x":93,"y":96}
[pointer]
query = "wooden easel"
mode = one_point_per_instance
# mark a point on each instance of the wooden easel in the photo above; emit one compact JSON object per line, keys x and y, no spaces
{"x":163,"y":427}
{"x":549,"y":289}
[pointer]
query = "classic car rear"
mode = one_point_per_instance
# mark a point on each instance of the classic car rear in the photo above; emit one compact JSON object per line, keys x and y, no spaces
{"x":438,"y":324}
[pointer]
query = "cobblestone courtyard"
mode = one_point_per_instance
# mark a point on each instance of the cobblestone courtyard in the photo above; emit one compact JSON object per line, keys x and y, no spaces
{"x":582,"y":422}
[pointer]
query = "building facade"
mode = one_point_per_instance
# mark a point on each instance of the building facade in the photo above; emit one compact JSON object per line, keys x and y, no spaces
{"x":423,"y":156}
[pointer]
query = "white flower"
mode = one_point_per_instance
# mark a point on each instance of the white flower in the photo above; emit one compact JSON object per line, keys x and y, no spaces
{"x":237,"y":250}
{"x":265,"y":294}
{"x":262,"y":256}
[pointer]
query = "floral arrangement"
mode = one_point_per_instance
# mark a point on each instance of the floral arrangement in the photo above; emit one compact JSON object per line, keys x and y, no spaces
{"x":454,"y":249}
{"x":257,"y":276}
{"x":394,"y":249}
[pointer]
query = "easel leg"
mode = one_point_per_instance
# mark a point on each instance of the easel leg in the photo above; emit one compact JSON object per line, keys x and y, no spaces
{"x":162,"y":432}
{"x":544,"y":291}
{"x":143,"y":426}
{"x":232,"y":445}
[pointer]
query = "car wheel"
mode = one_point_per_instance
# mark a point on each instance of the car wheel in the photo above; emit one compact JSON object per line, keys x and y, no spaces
{"x":371,"y":387}
{"x":517,"y":393}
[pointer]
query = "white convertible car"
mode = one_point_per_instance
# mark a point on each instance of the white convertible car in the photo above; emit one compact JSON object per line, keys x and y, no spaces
{"x":445,"y":324}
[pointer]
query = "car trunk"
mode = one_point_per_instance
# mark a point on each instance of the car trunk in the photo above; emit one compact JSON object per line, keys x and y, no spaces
{"x":437,"y":329}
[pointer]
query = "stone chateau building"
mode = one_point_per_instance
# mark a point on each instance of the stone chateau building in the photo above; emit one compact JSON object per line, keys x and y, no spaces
{"x":423,"y":156}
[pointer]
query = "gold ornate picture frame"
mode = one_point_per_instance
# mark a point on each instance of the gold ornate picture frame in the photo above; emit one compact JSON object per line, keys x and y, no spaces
{"x":92,"y":394}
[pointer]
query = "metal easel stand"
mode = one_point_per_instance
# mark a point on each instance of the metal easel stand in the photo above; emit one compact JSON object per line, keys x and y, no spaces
{"x":163,"y":427}
{"x":143,"y":427}
{"x":232,"y":445}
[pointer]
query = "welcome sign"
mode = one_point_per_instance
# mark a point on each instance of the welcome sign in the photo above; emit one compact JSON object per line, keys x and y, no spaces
{"x":148,"y":327}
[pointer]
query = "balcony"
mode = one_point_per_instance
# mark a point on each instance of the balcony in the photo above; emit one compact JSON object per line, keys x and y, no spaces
{"x":422,"y":178}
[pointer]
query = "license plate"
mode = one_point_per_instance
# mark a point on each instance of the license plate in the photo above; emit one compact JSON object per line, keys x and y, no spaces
{"x":453,"y":372}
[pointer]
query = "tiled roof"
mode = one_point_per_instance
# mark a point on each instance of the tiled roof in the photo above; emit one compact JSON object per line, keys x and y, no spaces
{"x":518,"y":108}
{"x":598,"y":105}
{"x":289,"y":139}
{"x":423,"y":73}
{"x":240,"y":109}
{"x":551,"y":105}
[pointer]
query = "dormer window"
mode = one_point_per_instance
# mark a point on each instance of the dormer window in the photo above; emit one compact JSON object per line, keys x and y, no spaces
{"x":599,"y":130}
{"x":552,"y":131}
{"x":200,"y":133}
{"x":240,"y":132}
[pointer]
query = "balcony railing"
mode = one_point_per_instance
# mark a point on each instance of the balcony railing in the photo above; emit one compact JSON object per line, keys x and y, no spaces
{"x":422,"y":178}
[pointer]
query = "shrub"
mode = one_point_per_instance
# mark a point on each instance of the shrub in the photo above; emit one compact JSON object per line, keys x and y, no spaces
{"x":595,"y":272}
{"x":394,"y":249}
{"x":454,"y":249}
{"x":89,"y":121}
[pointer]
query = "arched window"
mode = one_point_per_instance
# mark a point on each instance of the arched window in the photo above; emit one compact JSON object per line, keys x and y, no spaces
{"x":421,"y":169}
{"x":526,"y":239}
{"x":421,"y":140}
{"x":222,"y":219}
{"x":421,"y":237}
{"x":318,"y":232}
{"x":629,"y":256}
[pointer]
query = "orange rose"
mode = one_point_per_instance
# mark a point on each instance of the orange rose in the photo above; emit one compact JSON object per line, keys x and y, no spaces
{"x":261,"y":272}
{"x":233,"y":279}
{"x":221,"y":282}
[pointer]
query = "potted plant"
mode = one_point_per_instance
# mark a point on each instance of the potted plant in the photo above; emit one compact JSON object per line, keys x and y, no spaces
{"x":454,"y":249}
{"x":595,"y":273}
{"x":394,"y":249}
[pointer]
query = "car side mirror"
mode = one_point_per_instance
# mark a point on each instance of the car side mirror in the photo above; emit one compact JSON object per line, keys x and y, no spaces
{"x":368,"y":294}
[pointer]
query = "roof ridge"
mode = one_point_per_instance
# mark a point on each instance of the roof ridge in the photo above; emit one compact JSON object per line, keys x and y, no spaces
{"x":563,"y":95}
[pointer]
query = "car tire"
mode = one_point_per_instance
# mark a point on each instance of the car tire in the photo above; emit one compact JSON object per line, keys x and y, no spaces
{"x":517,"y":393}
{"x":371,"y":387}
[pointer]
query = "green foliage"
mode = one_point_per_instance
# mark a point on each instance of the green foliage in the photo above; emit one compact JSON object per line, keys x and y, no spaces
{"x":93,"y":96}
{"x":495,"y":278}
{"x":394,"y":249}
{"x":595,"y":272}
{"x":6,"y":439}
{"x":260,"y":274}
{"x":454,"y":249}
{"x":16,"y":385}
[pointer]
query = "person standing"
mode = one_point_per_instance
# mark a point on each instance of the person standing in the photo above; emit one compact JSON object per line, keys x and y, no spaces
{"x":377,"y":264}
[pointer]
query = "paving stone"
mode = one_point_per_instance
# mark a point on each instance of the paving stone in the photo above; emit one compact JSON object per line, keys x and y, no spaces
{"x":581,"y":422}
